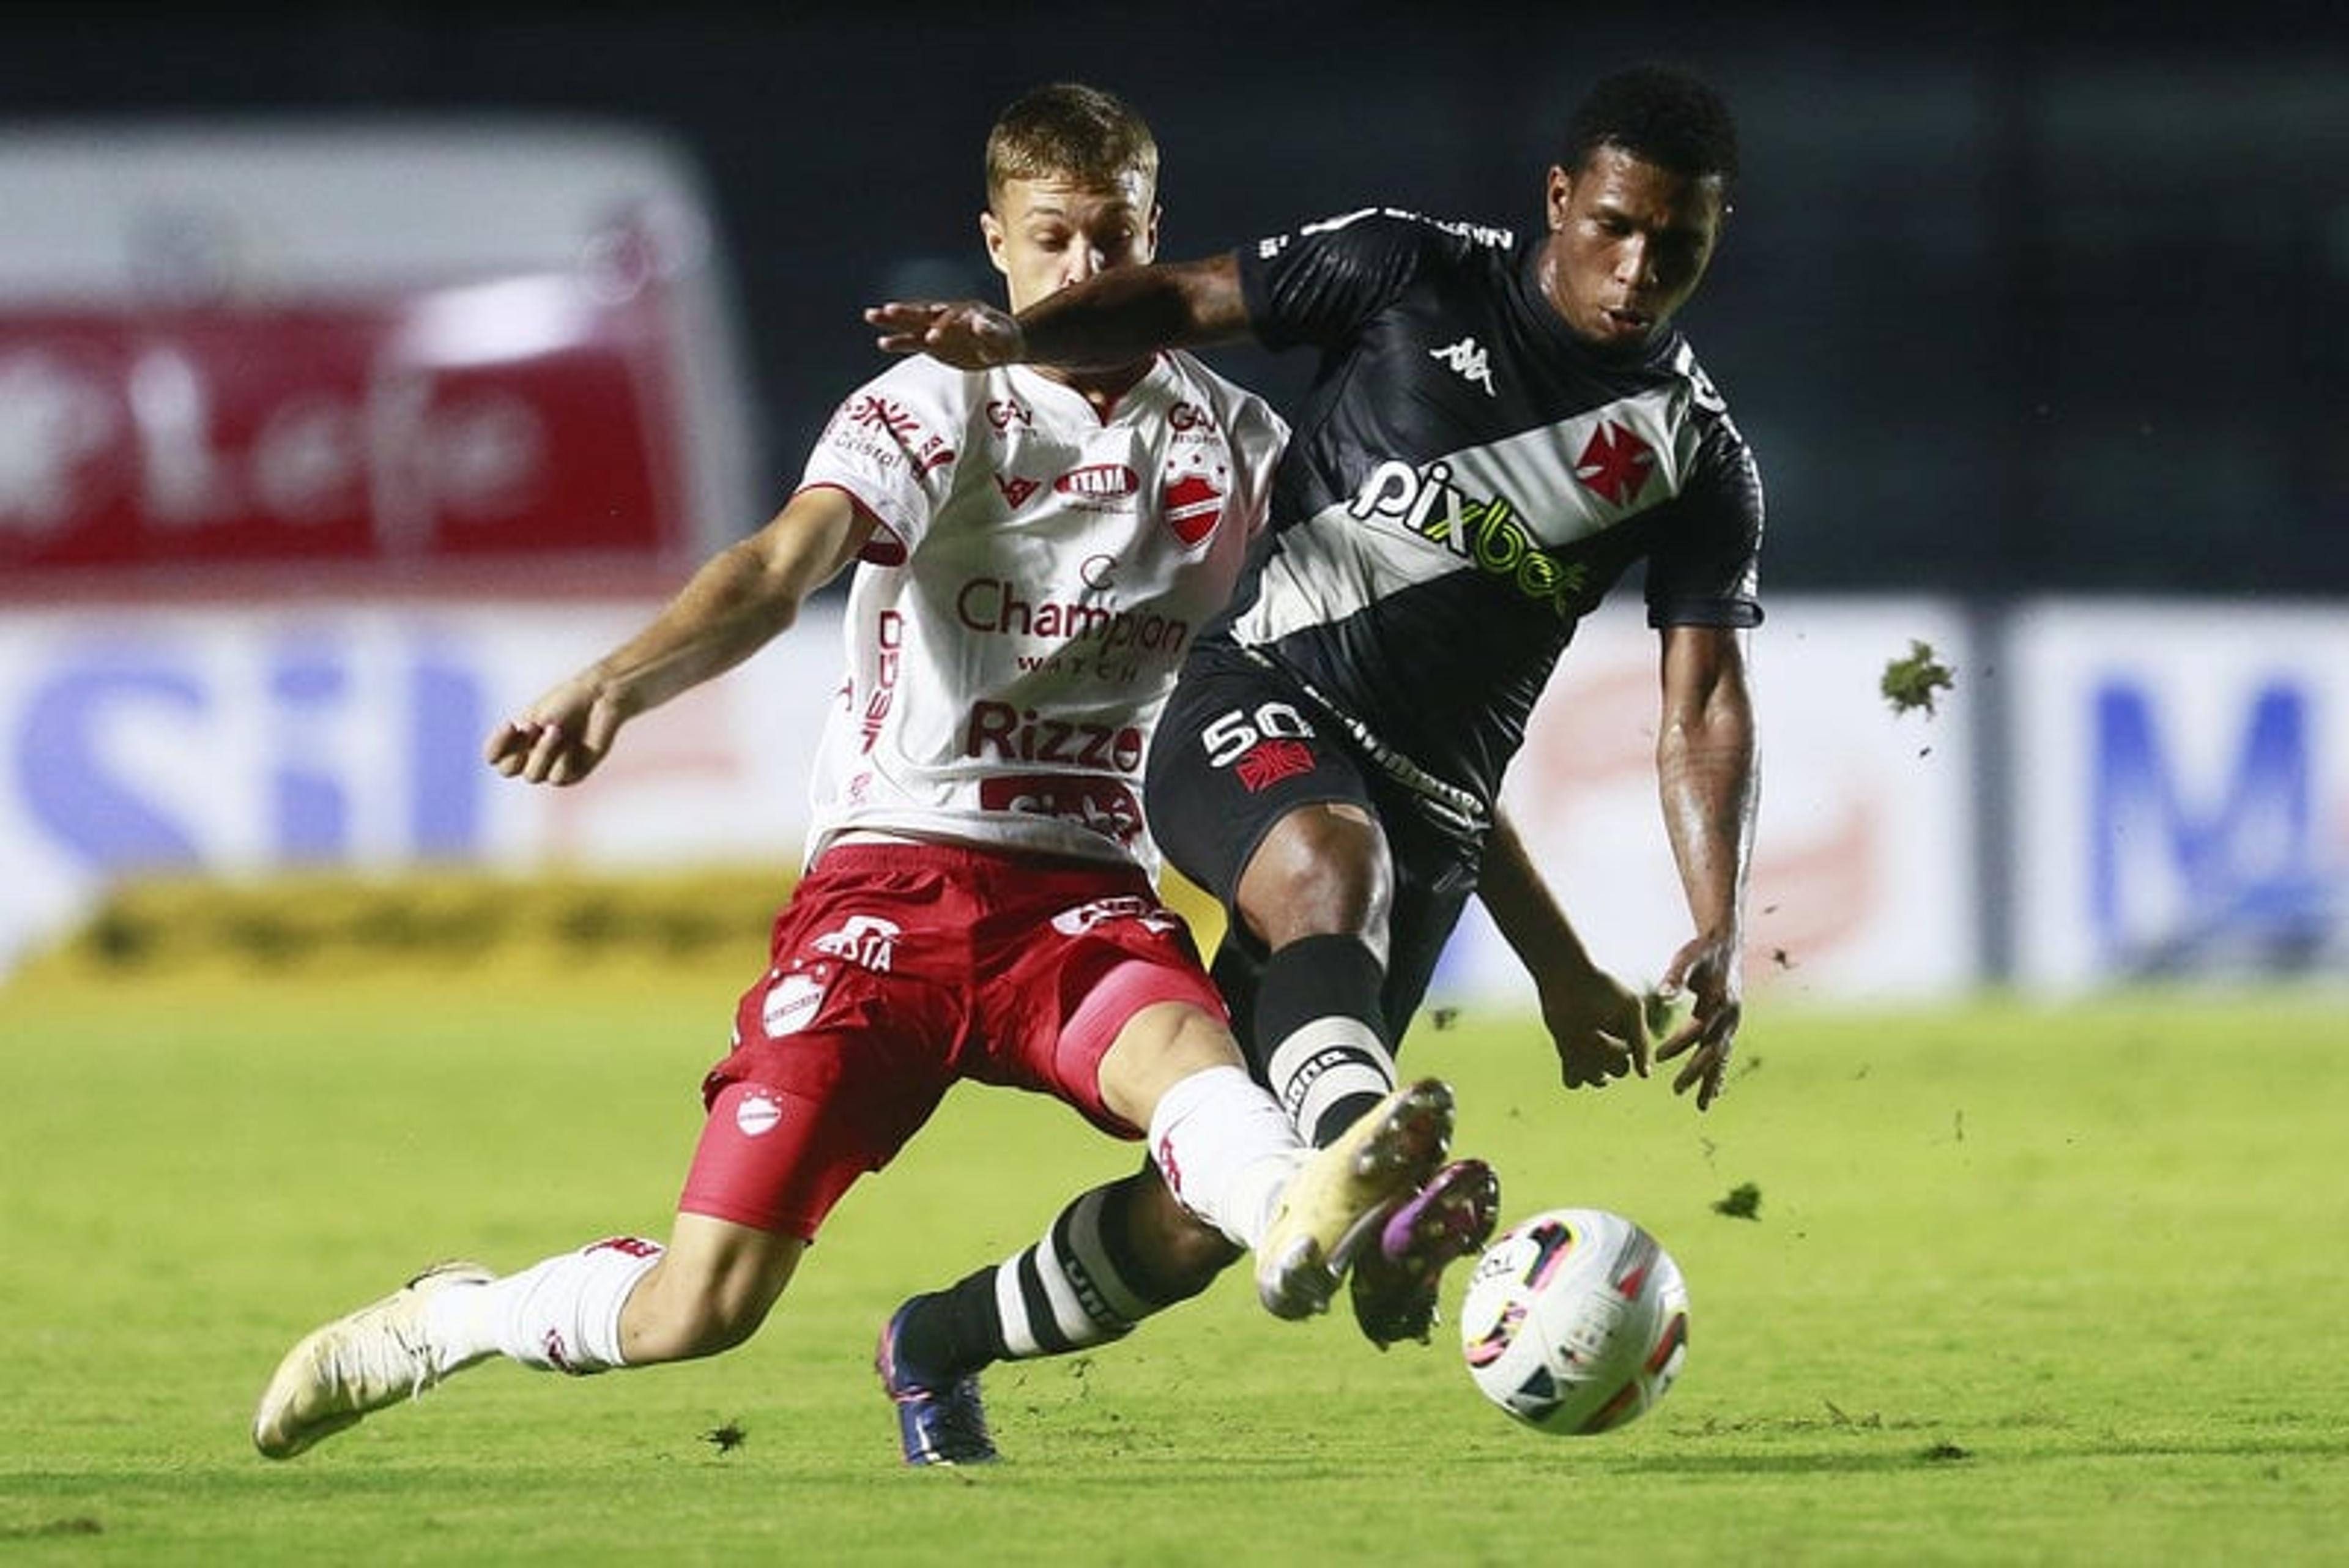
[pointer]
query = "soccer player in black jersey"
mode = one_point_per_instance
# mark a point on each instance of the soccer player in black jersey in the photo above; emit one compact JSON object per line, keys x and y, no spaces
{"x":1499,"y":429}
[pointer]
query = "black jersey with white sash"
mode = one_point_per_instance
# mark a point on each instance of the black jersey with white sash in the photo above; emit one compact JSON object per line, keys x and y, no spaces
{"x":1464,"y":482}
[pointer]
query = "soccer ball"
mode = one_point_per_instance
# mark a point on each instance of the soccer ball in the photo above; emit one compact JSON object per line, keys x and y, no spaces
{"x":1575,"y":1322}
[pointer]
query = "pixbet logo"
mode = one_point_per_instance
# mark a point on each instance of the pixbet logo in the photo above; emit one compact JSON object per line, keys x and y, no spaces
{"x":1485,"y":530}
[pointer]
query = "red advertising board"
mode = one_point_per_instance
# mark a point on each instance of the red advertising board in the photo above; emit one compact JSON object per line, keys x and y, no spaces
{"x":524,"y":416}
{"x":311,"y":353}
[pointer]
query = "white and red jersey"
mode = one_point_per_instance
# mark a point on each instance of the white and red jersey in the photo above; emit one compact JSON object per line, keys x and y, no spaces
{"x":1017,"y":619}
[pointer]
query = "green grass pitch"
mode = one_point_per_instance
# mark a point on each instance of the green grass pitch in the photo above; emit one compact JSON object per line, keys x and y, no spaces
{"x":2020,"y":1286}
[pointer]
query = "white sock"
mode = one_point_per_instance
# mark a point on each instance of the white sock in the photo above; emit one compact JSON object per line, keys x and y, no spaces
{"x":560,"y":1315}
{"x":1226,"y":1150}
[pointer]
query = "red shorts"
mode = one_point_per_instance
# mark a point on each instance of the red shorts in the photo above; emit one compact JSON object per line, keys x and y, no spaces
{"x":898,"y":968}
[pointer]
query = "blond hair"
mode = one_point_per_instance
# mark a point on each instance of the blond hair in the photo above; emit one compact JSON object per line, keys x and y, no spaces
{"x":1072,"y":131}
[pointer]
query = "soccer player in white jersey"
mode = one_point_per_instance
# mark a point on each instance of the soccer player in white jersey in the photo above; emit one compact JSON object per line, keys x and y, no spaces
{"x":1033,"y":550}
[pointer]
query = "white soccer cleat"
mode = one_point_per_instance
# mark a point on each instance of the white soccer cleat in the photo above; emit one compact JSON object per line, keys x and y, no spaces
{"x":1341,"y":1195}
{"x":373,"y":1357}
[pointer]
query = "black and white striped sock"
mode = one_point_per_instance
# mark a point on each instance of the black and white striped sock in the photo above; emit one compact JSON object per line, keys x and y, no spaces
{"x":1081,"y":1285}
{"x":1318,"y":1023}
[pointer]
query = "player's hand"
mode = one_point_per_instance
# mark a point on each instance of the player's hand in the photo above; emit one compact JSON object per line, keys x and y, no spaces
{"x":559,"y":738}
{"x":1599,"y":1028}
{"x":1709,"y":970}
{"x":964,"y":333}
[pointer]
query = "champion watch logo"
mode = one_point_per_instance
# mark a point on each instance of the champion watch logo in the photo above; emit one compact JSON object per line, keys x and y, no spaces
{"x":1468,"y":361}
{"x":1616,"y":463}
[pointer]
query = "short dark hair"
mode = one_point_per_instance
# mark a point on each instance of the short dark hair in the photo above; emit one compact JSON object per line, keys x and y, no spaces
{"x":1073,"y":130}
{"x":1660,"y":113}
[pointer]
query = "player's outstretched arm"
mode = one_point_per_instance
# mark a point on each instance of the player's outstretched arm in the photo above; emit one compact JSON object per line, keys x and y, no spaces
{"x":1113,"y":317}
{"x":1706,"y":775}
{"x":739,"y":600}
{"x":1595,"y":1022}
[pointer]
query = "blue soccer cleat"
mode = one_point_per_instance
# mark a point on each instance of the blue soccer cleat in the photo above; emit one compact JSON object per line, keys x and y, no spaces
{"x":940,"y":1421}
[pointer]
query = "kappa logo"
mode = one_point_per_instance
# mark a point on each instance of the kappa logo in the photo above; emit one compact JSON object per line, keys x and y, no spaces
{"x":867,"y":941}
{"x":1616,"y":463}
{"x":1468,"y":361}
{"x":1016,"y":489}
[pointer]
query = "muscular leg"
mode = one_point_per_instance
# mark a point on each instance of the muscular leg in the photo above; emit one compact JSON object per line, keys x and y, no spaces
{"x":624,"y":1302}
{"x":621,"y":1302}
{"x":1317,"y":894}
{"x":1130,"y":1248}
{"x":710,"y":1290}
{"x":1115,"y":1254}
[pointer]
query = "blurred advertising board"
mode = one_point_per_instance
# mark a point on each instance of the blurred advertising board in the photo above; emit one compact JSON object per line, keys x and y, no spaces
{"x":351,"y":349}
{"x":241,"y":738}
{"x":1864,"y":858}
{"x":2174,"y":778}
{"x":2182,"y":792}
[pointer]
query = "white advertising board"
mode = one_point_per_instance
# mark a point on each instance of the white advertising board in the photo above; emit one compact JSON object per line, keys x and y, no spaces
{"x":1863,"y":882}
{"x":238,"y":739}
{"x":2182,"y":792}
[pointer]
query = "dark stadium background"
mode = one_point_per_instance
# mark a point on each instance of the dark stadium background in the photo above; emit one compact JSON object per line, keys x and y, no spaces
{"x":2015,"y":298}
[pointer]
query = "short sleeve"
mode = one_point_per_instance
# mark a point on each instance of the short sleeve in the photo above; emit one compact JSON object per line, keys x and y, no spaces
{"x":1315,"y":283}
{"x":891,"y":446}
{"x":1705,"y":570}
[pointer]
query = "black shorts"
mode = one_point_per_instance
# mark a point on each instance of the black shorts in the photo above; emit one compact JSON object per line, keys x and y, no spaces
{"x":1240,"y":747}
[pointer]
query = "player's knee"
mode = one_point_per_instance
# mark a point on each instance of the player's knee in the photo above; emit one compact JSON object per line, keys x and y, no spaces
{"x":1323,"y":871}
